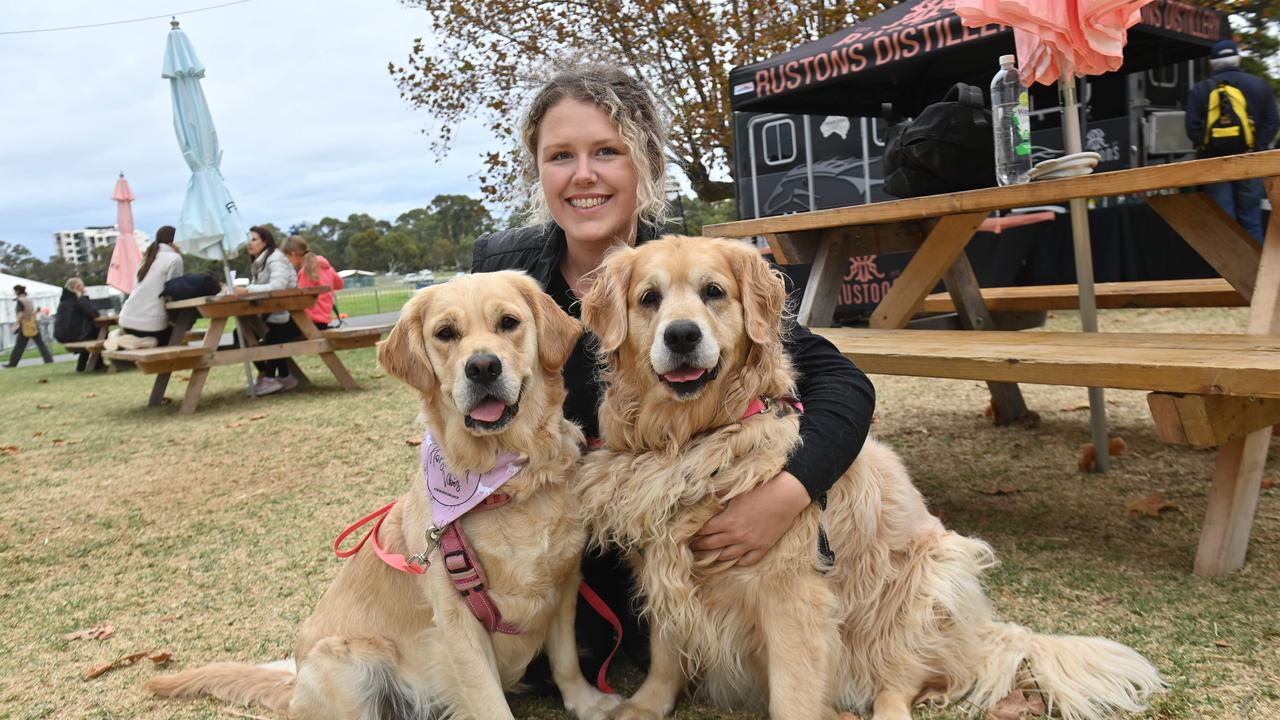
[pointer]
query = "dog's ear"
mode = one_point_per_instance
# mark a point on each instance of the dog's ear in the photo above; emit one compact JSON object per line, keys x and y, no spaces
{"x":764,"y":294}
{"x":404,"y":353}
{"x":557,"y":332}
{"x":604,"y":308}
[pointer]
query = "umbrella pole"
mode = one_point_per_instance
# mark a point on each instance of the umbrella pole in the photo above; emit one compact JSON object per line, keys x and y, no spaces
{"x":1084,"y":267}
{"x":248,"y":373}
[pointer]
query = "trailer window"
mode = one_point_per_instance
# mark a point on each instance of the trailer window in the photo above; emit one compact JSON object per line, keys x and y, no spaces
{"x":779,"y":142}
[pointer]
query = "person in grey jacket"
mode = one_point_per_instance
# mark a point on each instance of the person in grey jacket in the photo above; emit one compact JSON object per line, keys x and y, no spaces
{"x":271,"y":270}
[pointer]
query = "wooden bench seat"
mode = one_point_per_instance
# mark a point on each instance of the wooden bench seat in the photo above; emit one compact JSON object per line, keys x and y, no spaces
{"x":1204,"y":390}
{"x":93,"y":346}
{"x":347,"y":338}
{"x":1204,"y":292}
{"x":163,"y":359}
{"x":1234,"y":365}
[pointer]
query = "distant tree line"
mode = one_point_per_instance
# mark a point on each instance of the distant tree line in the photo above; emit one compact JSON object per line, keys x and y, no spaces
{"x":439,"y":236}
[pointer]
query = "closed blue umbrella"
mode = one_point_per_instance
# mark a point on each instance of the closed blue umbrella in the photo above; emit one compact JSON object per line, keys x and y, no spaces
{"x":210,"y":226}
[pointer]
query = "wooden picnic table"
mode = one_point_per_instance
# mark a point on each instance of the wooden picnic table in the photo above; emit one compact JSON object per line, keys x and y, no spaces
{"x":246,"y":308}
{"x":1211,"y":395}
{"x":94,"y":347}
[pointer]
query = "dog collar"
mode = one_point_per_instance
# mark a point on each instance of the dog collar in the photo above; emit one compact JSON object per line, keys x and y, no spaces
{"x":763,"y":404}
{"x":452,"y":495}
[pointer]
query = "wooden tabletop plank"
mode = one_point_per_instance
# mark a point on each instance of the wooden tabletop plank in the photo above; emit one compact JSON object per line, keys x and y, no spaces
{"x":205,"y":300}
{"x":1238,"y":365}
{"x":1119,"y":182}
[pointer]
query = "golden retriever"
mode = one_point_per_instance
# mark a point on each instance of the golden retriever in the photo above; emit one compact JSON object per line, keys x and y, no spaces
{"x":689,"y":332}
{"x":387,"y":644}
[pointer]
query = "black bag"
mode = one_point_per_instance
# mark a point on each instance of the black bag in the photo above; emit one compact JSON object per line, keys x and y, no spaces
{"x":948,"y":148}
{"x":191,"y":285}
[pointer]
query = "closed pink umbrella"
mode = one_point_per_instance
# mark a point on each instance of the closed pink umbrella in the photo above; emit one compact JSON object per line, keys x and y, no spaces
{"x":1056,"y":41}
{"x":125,"y":258}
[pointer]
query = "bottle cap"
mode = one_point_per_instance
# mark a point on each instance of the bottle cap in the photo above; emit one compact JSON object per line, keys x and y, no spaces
{"x":1008,"y":60}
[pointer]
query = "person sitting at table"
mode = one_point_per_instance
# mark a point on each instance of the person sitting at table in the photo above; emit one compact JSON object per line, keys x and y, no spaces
{"x":75,"y":321}
{"x":144,"y":322}
{"x":271,"y":271}
{"x":314,"y":270}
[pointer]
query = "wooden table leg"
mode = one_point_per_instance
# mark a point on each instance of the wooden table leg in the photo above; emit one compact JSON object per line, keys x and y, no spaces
{"x":1237,"y":478}
{"x":818,"y":304}
{"x":195,"y":385}
{"x":966,"y":294}
{"x":946,"y":242}
{"x":95,"y":357}
{"x":1214,"y":234}
{"x":311,"y":332}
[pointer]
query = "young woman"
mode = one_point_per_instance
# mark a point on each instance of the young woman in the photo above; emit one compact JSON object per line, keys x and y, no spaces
{"x":75,"y":320}
{"x":143,"y":314}
{"x":271,"y":271}
{"x":594,"y":157}
{"x":26,"y":328}
{"x":314,"y":270}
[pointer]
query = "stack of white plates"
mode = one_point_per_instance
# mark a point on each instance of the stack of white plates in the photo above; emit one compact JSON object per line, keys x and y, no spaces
{"x":1081,"y":163}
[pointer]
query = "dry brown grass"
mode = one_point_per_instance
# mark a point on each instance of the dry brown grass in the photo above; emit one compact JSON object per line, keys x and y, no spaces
{"x":209,"y":536}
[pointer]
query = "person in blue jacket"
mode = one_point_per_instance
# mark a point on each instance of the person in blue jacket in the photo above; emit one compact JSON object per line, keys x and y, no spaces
{"x":1241,"y":199}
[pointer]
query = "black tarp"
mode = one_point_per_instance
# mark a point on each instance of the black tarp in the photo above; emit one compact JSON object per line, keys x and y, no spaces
{"x":909,"y":55}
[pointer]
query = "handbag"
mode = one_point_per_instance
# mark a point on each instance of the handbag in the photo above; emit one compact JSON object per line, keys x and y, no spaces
{"x":30,"y":328}
{"x":947,"y":148}
{"x":190,"y":285}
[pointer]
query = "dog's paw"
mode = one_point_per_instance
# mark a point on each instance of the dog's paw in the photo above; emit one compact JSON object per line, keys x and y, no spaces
{"x":594,"y":707}
{"x":629,"y":711}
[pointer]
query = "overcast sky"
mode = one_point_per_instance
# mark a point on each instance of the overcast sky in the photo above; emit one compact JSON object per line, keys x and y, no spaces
{"x":309,"y":120}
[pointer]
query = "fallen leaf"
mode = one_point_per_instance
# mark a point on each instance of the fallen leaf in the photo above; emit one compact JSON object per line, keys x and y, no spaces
{"x":1000,"y":490}
{"x":184,"y":379}
{"x":990,"y":411}
{"x":60,"y":442}
{"x":234,"y":425}
{"x":43,"y":406}
{"x":166,"y":401}
{"x":1222,"y":643}
{"x":1087,"y":457}
{"x":1269,"y":482}
{"x":10,"y":450}
{"x":259,"y":416}
{"x":101,"y":631}
{"x":1017,"y":705}
{"x":1116,"y":446}
{"x":413,"y":441}
{"x":160,"y":658}
{"x":1151,"y":505}
{"x":1076,"y":408}
{"x":38,"y":433}
{"x":376,"y":376}
{"x":125,"y":661}
{"x":91,"y":395}
{"x":42,"y":381}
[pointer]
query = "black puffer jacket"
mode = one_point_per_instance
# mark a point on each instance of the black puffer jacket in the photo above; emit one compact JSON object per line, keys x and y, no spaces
{"x":838,"y":398}
{"x":74,"y":321}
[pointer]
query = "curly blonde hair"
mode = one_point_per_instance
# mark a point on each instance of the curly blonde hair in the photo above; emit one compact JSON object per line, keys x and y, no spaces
{"x":630,"y":106}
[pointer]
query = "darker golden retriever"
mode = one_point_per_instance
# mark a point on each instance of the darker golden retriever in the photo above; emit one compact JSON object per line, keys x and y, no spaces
{"x":485,"y":353}
{"x":689,"y":330}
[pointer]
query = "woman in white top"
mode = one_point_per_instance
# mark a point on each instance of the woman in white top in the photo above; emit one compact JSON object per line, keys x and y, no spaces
{"x":143,"y":314}
{"x":271,"y":270}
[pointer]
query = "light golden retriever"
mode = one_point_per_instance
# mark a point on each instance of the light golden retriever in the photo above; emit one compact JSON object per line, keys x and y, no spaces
{"x":689,"y":331}
{"x":386,"y":644}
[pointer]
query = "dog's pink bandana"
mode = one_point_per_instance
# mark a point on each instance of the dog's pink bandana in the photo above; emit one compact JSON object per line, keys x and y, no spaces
{"x":452,"y":496}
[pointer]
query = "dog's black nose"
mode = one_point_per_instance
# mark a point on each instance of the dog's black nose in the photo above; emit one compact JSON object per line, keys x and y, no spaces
{"x":682,"y":336}
{"x":483,"y":369}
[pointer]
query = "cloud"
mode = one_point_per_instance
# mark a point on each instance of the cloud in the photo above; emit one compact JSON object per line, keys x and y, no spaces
{"x":308,"y":117}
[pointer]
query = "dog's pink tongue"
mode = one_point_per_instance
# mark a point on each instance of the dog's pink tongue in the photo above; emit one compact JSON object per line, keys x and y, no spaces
{"x":488,"y":411}
{"x":684,"y":374}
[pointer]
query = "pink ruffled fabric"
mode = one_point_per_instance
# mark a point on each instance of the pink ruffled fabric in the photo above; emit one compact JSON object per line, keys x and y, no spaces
{"x":1053,"y":37}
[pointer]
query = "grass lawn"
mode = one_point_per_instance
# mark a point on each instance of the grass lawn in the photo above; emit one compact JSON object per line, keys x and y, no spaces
{"x":209,"y":537}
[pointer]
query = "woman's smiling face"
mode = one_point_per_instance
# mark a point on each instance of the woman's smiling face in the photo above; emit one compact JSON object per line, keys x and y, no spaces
{"x":588,"y":178}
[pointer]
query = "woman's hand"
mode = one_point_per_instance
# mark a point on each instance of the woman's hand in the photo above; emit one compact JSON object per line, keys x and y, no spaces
{"x":242,"y":290}
{"x":744,"y":531}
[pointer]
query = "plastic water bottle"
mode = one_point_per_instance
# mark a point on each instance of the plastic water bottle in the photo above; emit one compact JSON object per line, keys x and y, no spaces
{"x":1011,"y":122}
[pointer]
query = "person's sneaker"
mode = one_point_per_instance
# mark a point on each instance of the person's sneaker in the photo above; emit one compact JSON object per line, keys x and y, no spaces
{"x":257,"y":387}
{"x":270,"y":385}
{"x":288,"y":382}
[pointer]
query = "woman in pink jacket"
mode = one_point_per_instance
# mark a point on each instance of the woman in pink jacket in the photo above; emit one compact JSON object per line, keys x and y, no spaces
{"x":314,"y":270}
